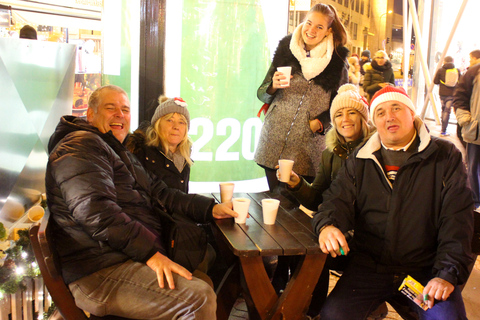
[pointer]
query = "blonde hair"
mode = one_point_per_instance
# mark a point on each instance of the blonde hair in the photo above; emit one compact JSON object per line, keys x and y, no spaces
{"x":385,"y":55}
{"x":333,"y":138}
{"x":154,"y":138}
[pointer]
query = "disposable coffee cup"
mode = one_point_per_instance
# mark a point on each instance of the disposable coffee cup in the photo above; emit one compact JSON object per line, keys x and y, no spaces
{"x":286,"y":71}
{"x":36,"y":213}
{"x":270,"y":210}
{"x":240,"y":206}
{"x":285,"y":166}
{"x":226,"y":191}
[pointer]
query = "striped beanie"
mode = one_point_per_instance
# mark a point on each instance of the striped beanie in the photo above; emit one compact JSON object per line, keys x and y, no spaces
{"x":390,"y":93}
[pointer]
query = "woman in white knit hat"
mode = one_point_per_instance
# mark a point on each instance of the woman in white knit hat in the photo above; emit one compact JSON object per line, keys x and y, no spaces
{"x":165,"y":148}
{"x":349,"y":117}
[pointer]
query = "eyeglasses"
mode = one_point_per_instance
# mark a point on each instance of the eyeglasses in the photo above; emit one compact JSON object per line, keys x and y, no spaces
{"x":379,"y":58}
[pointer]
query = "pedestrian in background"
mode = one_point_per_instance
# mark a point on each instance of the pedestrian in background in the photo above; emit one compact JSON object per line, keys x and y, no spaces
{"x":379,"y":75}
{"x":466,"y":101}
{"x":447,"y":78}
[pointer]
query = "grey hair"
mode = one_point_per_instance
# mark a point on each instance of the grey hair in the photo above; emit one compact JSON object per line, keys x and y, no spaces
{"x":95,"y":97}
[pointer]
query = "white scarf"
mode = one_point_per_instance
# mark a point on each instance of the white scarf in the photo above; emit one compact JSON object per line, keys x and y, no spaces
{"x":320,"y":56}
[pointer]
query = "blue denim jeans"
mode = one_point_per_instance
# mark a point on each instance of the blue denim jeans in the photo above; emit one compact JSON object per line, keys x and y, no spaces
{"x":473,"y":163}
{"x":361,"y":290}
{"x":447,"y":102}
{"x":131,"y":290}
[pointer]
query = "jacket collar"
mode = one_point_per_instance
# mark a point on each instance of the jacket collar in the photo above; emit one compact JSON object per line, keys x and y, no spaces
{"x":374,"y":144}
{"x":346,"y":149}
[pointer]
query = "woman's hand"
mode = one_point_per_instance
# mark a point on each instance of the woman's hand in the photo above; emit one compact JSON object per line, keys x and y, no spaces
{"x":333,"y":242}
{"x":316,"y":125}
{"x":278,"y":82}
{"x":294,"y":178}
{"x":164,"y":267}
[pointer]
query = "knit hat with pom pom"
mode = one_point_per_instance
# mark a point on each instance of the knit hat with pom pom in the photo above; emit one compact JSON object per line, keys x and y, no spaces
{"x":349,"y":97}
{"x":173,"y":105}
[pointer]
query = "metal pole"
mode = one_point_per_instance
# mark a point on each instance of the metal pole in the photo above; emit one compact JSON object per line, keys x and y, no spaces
{"x":406,"y":45}
{"x":444,"y":52}
{"x":428,"y":80}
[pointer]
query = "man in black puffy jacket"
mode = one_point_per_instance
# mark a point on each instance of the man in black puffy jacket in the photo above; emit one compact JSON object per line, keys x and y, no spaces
{"x":405,"y":194}
{"x":105,"y":210}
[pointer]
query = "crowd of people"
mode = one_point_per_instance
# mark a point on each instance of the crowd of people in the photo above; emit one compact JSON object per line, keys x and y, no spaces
{"x":390,"y":199}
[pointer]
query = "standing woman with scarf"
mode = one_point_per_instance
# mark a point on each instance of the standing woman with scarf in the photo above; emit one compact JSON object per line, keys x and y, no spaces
{"x":298,"y":116}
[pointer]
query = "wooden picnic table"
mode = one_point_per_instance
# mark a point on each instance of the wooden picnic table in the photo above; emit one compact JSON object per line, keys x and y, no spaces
{"x":291,"y":235}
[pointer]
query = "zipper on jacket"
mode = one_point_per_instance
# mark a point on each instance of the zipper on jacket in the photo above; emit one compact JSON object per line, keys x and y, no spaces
{"x":295,"y":117}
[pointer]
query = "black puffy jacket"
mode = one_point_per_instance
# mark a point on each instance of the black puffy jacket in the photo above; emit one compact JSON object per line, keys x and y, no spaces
{"x":105,"y":206}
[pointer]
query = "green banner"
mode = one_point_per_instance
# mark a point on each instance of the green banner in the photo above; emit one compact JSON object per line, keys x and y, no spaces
{"x":224,"y":59}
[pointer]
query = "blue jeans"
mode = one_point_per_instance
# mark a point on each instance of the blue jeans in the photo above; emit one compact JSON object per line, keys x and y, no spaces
{"x":361,"y":290}
{"x":473,"y":163}
{"x":447,"y":102}
{"x":131,"y":290}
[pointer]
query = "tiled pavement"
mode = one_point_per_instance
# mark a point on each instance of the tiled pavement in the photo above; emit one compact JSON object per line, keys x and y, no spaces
{"x":471,"y":294}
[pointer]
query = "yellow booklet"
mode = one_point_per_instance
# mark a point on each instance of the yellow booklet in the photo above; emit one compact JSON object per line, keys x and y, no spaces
{"x":414,"y":291}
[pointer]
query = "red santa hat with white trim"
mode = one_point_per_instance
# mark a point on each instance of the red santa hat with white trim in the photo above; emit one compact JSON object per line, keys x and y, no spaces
{"x":390,"y":93}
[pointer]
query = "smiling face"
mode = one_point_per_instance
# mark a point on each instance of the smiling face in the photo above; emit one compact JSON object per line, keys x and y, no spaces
{"x":394,"y":122}
{"x":173,"y":129}
{"x":348,"y":122}
{"x":380,"y":58}
{"x":113,"y":114}
{"x":315,"y":28}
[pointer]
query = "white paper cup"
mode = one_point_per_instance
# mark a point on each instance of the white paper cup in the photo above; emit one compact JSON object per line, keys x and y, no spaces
{"x":270,"y":209}
{"x":226,"y":191}
{"x":240,"y":206}
{"x":287,"y":71}
{"x":285,"y":166}
{"x":36,"y":213}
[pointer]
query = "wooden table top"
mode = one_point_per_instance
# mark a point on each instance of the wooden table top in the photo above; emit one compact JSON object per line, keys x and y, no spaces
{"x":290,"y":235}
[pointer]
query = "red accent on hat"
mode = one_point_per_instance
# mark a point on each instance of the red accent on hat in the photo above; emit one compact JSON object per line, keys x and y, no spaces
{"x":390,"y":93}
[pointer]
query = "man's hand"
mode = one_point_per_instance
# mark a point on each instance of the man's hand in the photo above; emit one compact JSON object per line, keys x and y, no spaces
{"x":438,"y":289}
{"x":164,"y":267}
{"x":224,"y":210}
{"x":331,"y":239}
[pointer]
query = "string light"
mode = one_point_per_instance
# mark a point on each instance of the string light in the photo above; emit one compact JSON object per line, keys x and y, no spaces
{"x":19,"y":270}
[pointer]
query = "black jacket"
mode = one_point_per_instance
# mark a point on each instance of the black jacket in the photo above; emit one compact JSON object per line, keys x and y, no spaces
{"x":423,"y":222}
{"x":378,"y":74}
{"x":156,"y":161}
{"x":105,"y":206}
{"x":440,"y":78}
